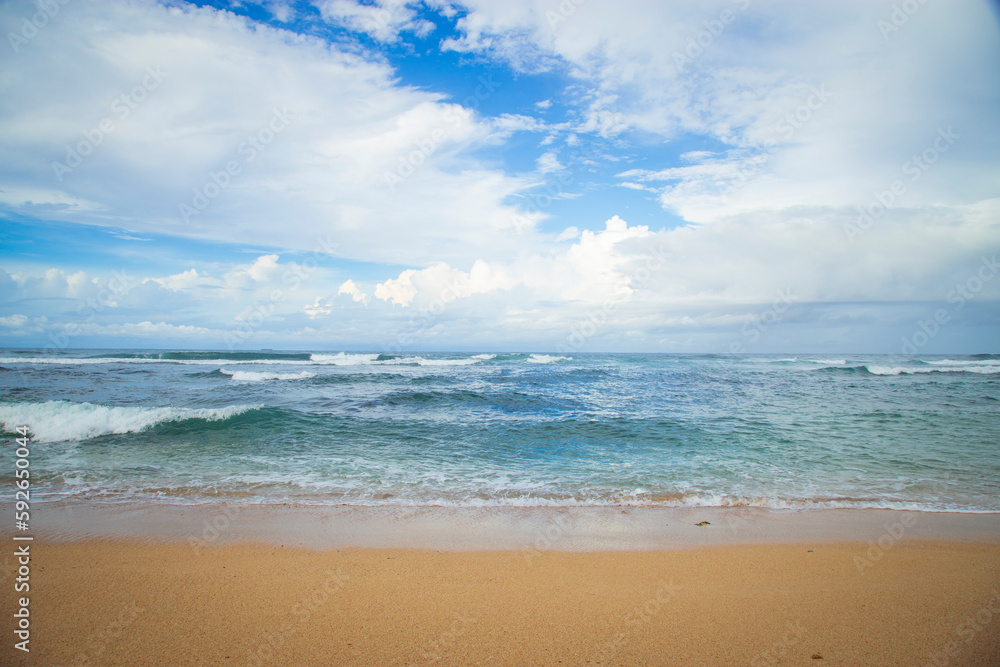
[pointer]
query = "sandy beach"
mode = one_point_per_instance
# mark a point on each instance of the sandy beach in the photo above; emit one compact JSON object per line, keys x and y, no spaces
{"x":120,"y":600}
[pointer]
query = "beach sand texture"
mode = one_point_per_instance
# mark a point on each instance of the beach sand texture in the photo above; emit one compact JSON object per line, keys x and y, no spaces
{"x":127,"y":602}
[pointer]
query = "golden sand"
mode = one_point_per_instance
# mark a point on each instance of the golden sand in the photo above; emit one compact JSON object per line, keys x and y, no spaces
{"x":132,"y":603}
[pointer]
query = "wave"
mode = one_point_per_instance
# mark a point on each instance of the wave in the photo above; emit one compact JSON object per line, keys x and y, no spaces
{"x":59,"y":421}
{"x":345,"y":359}
{"x":874,"y":369}
{"x":859,"y":369}
{"x":303,"y":488}
{"x":206,"y":356}
{"x":901,"y":370}
{"x":963,"y":362}
{"x":546,"y":359}
{"x":206,"y":361}
{"x":314,"y":359}
{"x":255,"y":376}
{"x":796,"y":360}
{"x":442,"y":362}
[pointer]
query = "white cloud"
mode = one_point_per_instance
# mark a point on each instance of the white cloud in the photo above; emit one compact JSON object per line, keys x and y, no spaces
{"x":568,"y":233}
{"x":548,"y":162}
{"x":806,"y":111}
{"x":281,"y":11}
{"x":311,"y":132}
{"x":383,"y":20}
{"x":189,"y":279}
{"x":352,"y":290}
{"x":820,"y":110}
{"x":22,"y":324}
{"x":589,"y":270}
{"x":443,"y":284}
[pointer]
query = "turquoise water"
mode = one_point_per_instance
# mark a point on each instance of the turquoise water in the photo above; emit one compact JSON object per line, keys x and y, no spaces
{"x":787,"y":432}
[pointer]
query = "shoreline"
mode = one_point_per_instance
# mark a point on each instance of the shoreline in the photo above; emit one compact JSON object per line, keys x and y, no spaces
{"x":574,"y":529}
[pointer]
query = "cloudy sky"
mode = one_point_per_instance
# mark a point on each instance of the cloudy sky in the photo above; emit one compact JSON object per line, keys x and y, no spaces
{"x":538,"y":175}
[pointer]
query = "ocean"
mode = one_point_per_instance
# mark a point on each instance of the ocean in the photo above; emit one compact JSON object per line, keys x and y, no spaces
{"x":782,"y":432}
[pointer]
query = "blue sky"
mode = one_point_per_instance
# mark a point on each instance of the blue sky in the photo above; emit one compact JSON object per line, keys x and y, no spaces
{"x":541,"y":175}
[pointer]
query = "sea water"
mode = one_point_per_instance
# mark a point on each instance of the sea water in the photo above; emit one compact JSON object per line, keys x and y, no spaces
{"x":496,"y":429}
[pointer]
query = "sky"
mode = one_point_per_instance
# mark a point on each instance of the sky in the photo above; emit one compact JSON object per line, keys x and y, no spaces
{"x":726,"y":176}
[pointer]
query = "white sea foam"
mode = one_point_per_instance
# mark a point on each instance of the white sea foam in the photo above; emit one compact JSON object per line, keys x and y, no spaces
{"x":74,"y":361}
{"x":256,"y":376}
{"x":57,"y":421}
{"x":339,"y":359}
{"x":901,"y":370}
{"x":445,"y":362}
{"x":546,"y":359}
{"x":963,"y":362}
{"x":829,"y":362}
{"x":344,"y":359}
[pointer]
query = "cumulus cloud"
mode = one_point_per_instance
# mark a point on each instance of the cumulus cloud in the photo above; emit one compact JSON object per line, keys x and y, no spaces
{"x":441,"y":283}
{"x":382,"y":20}
{"x":241,"y":129}
{"x":797,"y":147}
{"x":821,"y":115}
{"x":22,"y":324}
{"x":352,"y":290}
{"x":189,"y":279}
{"x":588,"y":271}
